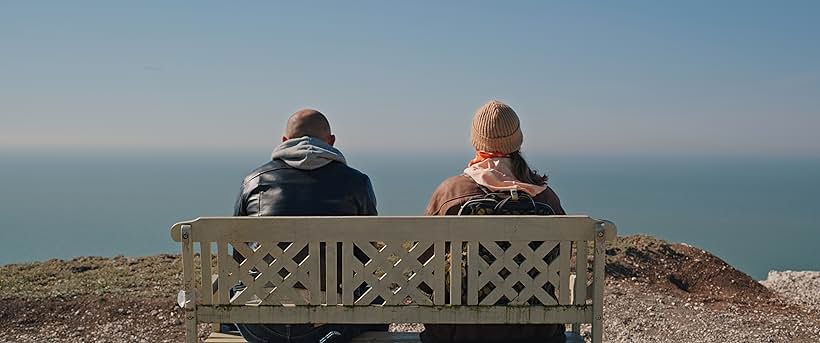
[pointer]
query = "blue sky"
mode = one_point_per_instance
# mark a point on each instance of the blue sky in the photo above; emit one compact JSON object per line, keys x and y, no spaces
{"x":631,"y":77}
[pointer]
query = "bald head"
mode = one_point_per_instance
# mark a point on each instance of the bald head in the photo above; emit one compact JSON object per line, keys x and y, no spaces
{"x":309,"y":122}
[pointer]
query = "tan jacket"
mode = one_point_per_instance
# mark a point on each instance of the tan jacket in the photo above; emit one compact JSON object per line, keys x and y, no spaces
{"x":452,"y":193}
{"x":447,"y":200}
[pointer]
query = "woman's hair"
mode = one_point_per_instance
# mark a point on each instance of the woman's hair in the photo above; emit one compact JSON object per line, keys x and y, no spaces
{"x":522,"y":171}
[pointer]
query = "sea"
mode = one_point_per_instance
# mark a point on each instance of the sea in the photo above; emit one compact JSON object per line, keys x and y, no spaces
{"x":757,"y":213}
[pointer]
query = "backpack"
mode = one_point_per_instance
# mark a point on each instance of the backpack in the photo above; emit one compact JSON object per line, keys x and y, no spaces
{"x":504,"y":203}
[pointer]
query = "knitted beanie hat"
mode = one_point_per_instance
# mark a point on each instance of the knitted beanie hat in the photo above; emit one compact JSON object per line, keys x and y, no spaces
{"x":496,"y":129}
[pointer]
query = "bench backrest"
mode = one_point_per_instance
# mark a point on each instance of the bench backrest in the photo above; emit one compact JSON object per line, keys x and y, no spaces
{"x":394,"y":269}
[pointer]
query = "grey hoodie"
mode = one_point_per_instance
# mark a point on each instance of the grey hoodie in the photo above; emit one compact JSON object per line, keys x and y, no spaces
{"x":307,"y":153}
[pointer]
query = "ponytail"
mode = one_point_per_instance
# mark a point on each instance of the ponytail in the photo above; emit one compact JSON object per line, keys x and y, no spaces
{"x":522,"y":171}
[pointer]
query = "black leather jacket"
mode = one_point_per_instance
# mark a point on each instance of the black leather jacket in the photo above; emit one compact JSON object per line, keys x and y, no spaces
{"x":277,"y":189}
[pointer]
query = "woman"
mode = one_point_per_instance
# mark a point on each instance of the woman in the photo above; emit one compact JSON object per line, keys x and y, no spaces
{"x":497,"y":167}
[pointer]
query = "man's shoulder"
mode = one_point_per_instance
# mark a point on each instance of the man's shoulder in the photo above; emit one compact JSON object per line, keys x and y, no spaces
{"x":268,"y":167}
{"x":352,"y":176}
{"x":353,"y":171}
{"x":334,"y":167}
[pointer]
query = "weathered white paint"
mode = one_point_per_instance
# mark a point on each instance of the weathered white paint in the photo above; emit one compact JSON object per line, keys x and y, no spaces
{"x":599,"y":261}
{"x":580,"y":283}
{"x":448,"y":228}
{"x":207,"y":282}
{"x":189,"y":284}
{"x":394,"y":269}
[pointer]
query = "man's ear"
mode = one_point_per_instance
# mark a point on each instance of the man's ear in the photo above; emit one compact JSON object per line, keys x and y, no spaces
{"x":331,"y":140}
{"x":284,"y":139}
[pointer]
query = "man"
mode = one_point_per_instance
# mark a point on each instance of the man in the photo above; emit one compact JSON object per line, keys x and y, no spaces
{"x":306,"y":176}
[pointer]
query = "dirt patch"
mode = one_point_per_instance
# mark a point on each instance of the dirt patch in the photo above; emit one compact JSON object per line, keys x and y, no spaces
{"x":92,"y":299}
{"x":90,"y":319}
{"x":683,"y":269}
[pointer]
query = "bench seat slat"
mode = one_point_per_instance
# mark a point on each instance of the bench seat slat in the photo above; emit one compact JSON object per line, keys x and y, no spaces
{"x":397,"y":314}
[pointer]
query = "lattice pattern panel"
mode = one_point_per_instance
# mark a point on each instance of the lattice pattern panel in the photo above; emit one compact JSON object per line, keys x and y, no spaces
{"x":514,"y":272}
{"x":273,"y":273}
{"x":394,"y":272}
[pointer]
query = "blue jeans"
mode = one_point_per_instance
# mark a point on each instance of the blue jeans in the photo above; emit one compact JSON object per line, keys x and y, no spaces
{"x":572,"y":337}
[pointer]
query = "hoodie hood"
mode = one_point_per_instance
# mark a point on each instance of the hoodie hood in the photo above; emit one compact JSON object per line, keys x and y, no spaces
{"x":307,"y":153}
{"x":497,"y":175}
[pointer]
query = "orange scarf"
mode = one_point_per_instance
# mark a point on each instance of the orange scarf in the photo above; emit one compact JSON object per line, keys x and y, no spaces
{"x":481,"y":156}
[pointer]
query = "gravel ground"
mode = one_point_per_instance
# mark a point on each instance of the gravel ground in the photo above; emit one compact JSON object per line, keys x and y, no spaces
{"x":635,"y":312}
{"x":799,"y":288}
{"x":656,"y":292}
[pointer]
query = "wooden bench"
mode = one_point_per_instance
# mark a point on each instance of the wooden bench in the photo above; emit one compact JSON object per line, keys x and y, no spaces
{"x":406,"y":275}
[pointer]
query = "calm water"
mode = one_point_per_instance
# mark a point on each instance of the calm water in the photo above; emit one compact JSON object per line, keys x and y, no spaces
{"x":758,"y":214}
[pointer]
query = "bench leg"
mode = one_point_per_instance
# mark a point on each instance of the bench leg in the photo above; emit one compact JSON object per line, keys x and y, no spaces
{"x":598,"y":285}
{"x":597,"y":331}
{"x":191,"y":334}
{"x":189,"y":304}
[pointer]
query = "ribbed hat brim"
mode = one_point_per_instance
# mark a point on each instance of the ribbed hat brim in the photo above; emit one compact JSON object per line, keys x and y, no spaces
{"x":504,"y":145}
